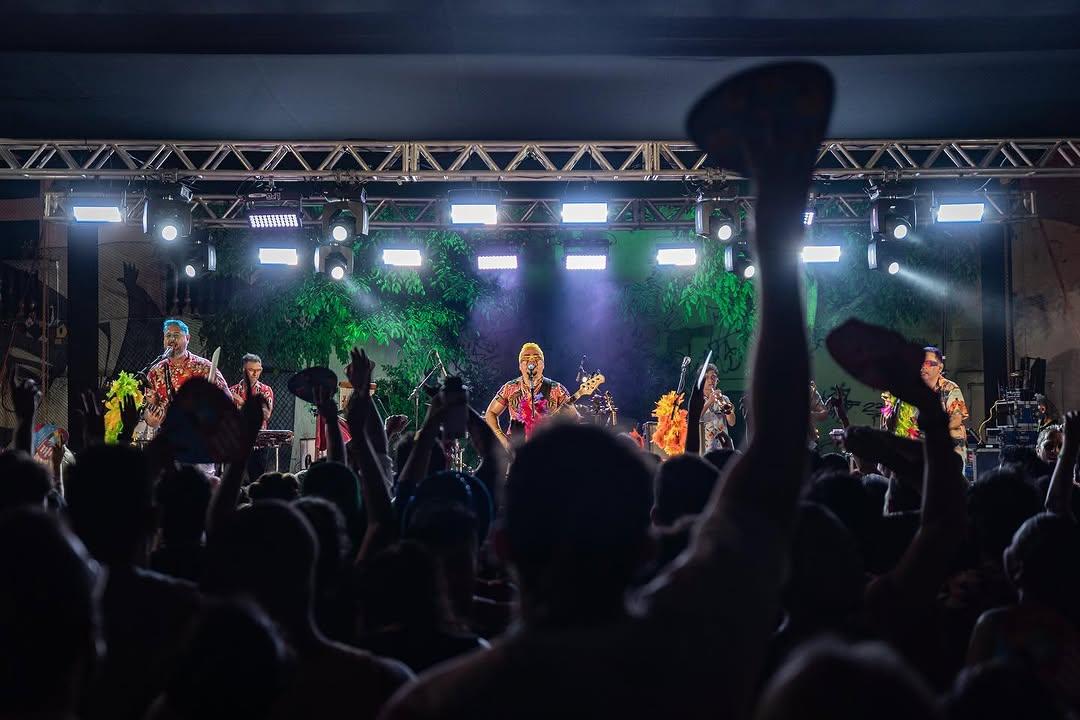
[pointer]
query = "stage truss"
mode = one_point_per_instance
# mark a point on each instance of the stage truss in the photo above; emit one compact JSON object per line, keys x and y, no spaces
{"x":509,"y":161}
{"x":675,"y":213}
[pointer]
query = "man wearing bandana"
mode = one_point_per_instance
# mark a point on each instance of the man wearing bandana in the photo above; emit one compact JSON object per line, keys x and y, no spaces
{"x":528,"y":398}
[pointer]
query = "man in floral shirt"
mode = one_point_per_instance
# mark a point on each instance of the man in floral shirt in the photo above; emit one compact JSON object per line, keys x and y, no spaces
{"x":952,"y":400}
{"x":253,"y":371}
{"x":253,"y":368}
{"x":166,"y":377}
{"x":529,"y":398}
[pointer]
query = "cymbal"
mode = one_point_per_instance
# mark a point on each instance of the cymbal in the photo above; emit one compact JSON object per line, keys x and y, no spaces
{"x":303,"y":383}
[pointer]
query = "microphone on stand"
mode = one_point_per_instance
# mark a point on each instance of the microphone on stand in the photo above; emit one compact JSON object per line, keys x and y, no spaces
{"x":581,"y":374}
{"x":442,"y":368}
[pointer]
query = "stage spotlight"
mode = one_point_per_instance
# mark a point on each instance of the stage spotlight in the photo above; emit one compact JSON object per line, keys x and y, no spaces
{"x":960,"y":212}
{"x":474,"y":207}
{"x":703,"y":210}
{"x":279,"y":255}
{"x":274,"y":210}
{"x":821,"y":253}
{"x":582,"y":260}
{"x":343,"y":220}
{"x":96,"y":210}
{"x":584,"y":212}
{"x":167,"y":212}
{"x":679,"y":255}
{"x":334,"y":260}
{"x":893,"y":217}
{"x":883,"y":257}
{"x":497,"y":259}
{"x":200,"y":260}
{"x":402,"y":257}
{"x":808,"y":218}
{"x":725,"y":229}
{"x":737,"y":260}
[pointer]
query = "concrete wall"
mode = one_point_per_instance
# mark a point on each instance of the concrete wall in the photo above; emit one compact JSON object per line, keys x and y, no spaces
{"x":1046,"y":304}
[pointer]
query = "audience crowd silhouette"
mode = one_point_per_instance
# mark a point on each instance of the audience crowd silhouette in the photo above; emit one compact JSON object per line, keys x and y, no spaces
{"x":573,"y":575}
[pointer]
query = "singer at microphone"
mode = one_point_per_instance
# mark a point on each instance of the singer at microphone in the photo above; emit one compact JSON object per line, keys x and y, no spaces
{"x":175,"y":367}
{"x":529,"y":398}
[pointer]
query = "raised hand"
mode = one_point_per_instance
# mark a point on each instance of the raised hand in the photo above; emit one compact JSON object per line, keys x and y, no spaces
{"x":882,"y":359}
{"x":129,"y":418}
{"x":93,"y":420}
{"x":1071,"y":425}
{"x":359,"y":372}
{"x":324,"y":402}
{"x":25,"y":396}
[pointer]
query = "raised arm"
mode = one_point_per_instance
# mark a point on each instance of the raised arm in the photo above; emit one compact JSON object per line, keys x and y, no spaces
{"x":240,"y":434}
{"x":335,"y":444}
{"x":419,"y":460}
{"x":884,"y":360}
{"x":1059,"y":496}
{"x":381,"y":524}
{"x":25,"y":396}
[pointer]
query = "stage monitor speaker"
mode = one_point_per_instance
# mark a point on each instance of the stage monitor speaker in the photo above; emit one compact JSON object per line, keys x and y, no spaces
{"x":986,"y":459}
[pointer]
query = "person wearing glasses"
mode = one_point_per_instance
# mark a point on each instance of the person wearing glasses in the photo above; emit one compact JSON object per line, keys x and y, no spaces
{"x":952,"y":400}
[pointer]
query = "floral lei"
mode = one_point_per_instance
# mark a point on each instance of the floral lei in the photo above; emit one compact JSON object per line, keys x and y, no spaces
{"x":670,"y":434}
{"x":529,"y":414}
{"x":123,"y":386}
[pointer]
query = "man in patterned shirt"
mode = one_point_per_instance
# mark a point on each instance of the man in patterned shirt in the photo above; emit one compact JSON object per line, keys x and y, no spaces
{"x":253,"y":371}
{"x":952,"y":400}
{"x":253,"y":368}
{"x":169,"y":375}
{"x":529,"y":398}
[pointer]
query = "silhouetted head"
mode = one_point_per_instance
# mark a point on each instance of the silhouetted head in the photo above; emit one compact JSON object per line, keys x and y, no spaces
{"x":24,"y":481}
{"x":683,"y":486}
{"x":576,"y":522}
{"x":182,"y":499}
{"x":109,"y":493}
{"x":998,"y":503}
{"x":826,"y":679}
{"x":338,"y":484}
{"x":1041,"y":562}
{"x":49,"y":624}
{"x":274,"y":486}
{"x":1001,"y":690}
{"x":266,"y":551}
{"x":234,"y":665}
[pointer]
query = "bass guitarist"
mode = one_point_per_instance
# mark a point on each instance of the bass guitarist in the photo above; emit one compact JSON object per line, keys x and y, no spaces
{"x":529,"y":398}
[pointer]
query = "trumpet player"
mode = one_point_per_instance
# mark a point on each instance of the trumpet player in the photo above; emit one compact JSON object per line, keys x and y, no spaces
{"x":718,"y":415}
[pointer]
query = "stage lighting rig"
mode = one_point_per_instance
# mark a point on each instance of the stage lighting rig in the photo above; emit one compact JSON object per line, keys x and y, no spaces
{"x":677,"y":254}
{"x":584,"y":206}
{"x":892,"y":218}
{"x":883,"y":256}
{"x":167,"y":213}
{"x":474,"y":207}
{"x":201,"y":259}
{"x":95,"y":208}
{"x":959,"y":212}
{"x":334,"y":260}
{"x":343,"y":220}
{"x":402,"y":255}
{"x":274,"y":210}
{"x":588,"y":252}
{"x":737,"y":260}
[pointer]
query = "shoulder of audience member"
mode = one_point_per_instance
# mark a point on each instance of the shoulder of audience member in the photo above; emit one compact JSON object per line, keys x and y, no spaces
{"x":389,"y":671}
{"x":445,"y":687}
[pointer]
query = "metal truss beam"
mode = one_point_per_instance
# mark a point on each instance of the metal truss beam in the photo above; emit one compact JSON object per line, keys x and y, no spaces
{"x":225,"y":211}
{"x":652,"y":160}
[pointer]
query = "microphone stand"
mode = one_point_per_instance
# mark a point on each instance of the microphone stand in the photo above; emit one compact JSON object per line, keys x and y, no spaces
{"x":415,"y":395}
